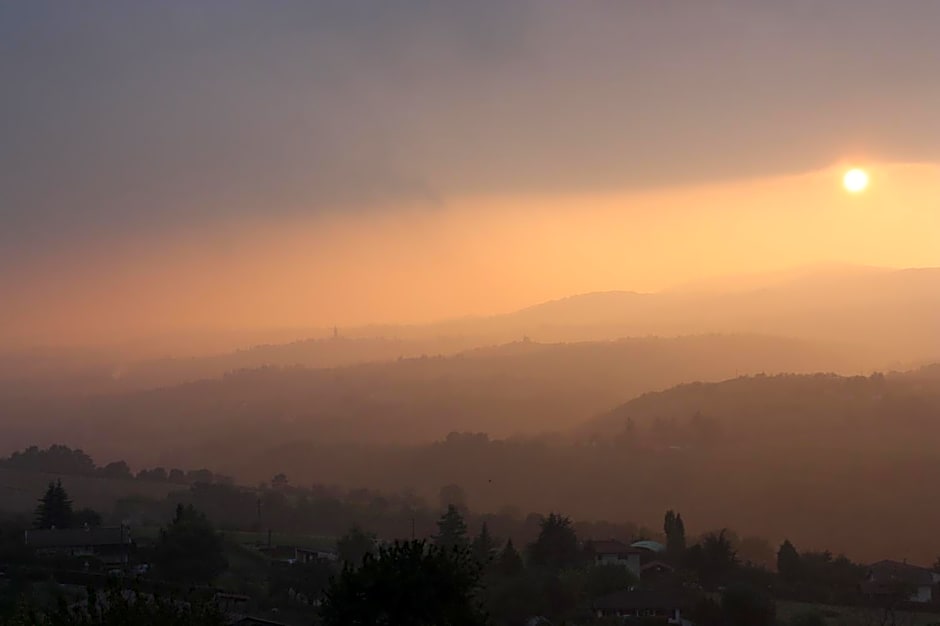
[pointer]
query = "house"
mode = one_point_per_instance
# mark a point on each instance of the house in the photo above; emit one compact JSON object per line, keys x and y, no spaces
{"x":232,"y":603}
{"x":110,"y":545}
{"x":613,"y":552}
{"x":886,"y":577}
{"x":307,"y":555}
{"x":642,"y":603}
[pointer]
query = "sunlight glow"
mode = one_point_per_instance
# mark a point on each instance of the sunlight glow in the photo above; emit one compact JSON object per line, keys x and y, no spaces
{"x":855,"y":180}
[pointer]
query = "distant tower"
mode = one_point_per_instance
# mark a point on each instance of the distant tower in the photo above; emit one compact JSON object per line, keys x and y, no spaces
{"x":336,"y":332}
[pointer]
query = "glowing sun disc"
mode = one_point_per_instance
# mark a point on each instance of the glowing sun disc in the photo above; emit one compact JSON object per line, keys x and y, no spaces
{"x":855,"y":180}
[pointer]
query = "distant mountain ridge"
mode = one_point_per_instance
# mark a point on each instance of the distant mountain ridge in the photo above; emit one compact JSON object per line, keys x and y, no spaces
{"x":889,"y":313}
{"x":892,"y":312}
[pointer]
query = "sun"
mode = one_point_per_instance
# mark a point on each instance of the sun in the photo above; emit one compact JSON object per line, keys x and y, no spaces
{"x":855,"y":180}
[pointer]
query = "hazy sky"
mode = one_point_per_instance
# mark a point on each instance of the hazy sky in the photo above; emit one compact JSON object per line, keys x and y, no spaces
{"x":167,"y":165}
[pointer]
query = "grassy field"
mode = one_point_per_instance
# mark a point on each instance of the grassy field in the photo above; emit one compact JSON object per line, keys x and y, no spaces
{"x":852,"y":616}
{"x":19,"y":490}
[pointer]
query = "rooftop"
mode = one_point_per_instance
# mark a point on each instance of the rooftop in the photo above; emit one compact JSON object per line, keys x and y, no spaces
{"x":895,"y":571}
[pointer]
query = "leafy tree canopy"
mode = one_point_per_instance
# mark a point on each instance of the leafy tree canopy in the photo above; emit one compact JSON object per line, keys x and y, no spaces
{"x":407,"y":584}
{"x":557,"y":544}
{"x":355,"y":545}
{"x":189,"y":549}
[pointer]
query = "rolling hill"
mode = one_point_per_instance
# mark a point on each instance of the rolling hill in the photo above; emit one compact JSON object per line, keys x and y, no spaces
{"x":523,"y":387}
{"x":888,"y":314}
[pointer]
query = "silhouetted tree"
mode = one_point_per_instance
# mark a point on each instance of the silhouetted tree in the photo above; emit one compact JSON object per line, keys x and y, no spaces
{"x":451,"y":529}
{"x":86,"y":517}
{"x":607,"y":578}
{"x":557,"y":544}
{"x":55,"y":508}
{"x":509,"y":562}
{"x":157,"y":474}
{"x":355,"y":545}
{"x":199,"y":476}
{"x":674,"y":528}
{"x":279,"y":481}
{"x":707,"y":612}
{"x":745,"y":606}
{"x":56,"y":459}
{"x":713,"y":559}
{"x":483,"y":547}
{"x":789,"y":563}
{"x":116,"y":469}
{"x":189,"y":550}
{"x":407,"y":584}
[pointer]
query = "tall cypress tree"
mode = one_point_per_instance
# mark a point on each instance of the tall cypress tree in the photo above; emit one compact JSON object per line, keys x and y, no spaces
{"x":674,"y":528}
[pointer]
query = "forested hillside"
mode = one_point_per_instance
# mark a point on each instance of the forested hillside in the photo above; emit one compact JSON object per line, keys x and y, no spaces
{"x":525,"y":387}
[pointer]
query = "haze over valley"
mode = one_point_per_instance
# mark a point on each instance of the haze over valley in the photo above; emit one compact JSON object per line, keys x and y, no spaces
{"x":339,"y":313}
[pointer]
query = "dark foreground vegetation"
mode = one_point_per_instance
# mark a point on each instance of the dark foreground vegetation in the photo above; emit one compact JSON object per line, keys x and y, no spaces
{"x":453,"y":567}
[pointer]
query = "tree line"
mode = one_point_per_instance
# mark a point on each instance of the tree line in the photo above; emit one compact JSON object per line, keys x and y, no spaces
{"x":453,"y":576}
{"x":63,"y":460}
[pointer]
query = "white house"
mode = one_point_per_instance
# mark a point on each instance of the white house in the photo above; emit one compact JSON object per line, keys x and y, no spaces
{"x":613,"y":552}
{"x":890,"y":576}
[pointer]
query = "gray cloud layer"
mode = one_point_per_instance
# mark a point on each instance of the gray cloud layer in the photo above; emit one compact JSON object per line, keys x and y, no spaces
{"x":122,"y":115}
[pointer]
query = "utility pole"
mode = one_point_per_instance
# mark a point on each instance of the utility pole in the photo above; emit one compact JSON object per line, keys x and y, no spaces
{"x":259,"y":520}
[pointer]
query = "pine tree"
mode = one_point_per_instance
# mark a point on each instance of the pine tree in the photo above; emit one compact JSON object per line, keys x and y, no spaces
{"x":55,"y":508}
{"x":189,"y":549}
{"x":484,"y":546}
{"x":789,"y":562}
{"x":509,"y":563}
{"x":451,"y":529}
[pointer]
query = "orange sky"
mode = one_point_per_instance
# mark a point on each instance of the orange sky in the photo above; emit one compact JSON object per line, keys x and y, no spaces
{"x":472,"y":255}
